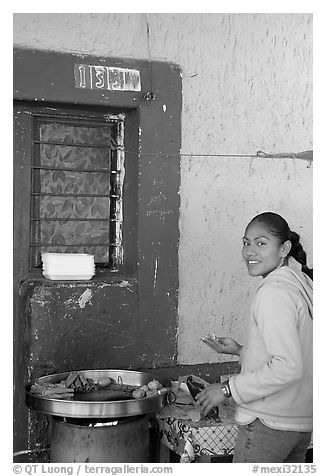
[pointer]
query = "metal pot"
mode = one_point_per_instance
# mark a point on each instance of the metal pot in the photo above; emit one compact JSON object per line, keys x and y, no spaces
{"x":93,"y":409}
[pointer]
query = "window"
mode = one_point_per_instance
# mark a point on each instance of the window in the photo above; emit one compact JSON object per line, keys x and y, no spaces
{"x":76,"y":187}
{"x":77,"y":174}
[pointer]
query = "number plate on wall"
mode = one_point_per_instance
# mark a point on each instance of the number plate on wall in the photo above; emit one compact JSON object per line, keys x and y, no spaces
{"x":106,"y":78}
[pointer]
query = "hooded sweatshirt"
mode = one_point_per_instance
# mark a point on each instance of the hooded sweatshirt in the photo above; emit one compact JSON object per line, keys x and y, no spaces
{"x":275,"y":382}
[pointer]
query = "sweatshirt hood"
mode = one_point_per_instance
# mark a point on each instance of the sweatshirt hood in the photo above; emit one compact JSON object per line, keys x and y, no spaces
{"x":292,"y":276}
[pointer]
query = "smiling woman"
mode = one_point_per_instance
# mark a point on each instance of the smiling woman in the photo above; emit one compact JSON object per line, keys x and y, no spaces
{"x":273,"y":391}
{"x":268,"y":243}
{"x":262,"y":251}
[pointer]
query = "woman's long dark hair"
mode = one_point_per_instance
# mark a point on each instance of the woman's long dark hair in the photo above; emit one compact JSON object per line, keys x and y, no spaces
{"x":280,"y":228}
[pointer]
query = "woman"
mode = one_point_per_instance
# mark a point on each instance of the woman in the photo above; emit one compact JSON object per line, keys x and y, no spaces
{"x":273,"y":391}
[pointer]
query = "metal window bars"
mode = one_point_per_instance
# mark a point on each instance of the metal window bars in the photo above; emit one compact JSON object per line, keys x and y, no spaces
{"x":115,"y":172}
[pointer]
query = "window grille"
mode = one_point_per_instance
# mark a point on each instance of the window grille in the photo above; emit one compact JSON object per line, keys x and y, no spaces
{"x":76,"y":187}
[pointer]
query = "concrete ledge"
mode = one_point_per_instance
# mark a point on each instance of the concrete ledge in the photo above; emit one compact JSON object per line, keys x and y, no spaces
{"x":210,"y":372}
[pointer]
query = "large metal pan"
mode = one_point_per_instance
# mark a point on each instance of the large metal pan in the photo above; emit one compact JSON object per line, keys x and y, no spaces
{"x":100,"y":409}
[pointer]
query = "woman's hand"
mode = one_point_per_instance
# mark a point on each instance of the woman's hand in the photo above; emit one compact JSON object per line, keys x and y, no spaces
{"x":210,"y":397}
{"x":222,"y":345}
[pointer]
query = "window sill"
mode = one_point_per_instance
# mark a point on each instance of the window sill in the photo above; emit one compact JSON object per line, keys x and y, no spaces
{"x":101,"y":275}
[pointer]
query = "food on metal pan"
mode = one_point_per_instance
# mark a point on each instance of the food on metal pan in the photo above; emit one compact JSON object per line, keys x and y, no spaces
{"x":86,"y":389}
{"x":61,"y":396}
{"x":151,"y":388}
{"x":154,"y":385}
{"x":79,"y":383}
{"x":52,"y":390}
{"x":104,"y":381}
{"x":75,"y":382}
{"x":70,"y":379}
{"x":138,"y":393}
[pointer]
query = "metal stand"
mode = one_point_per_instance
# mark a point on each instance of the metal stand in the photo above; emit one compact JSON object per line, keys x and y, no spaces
{"x":120,"y":441}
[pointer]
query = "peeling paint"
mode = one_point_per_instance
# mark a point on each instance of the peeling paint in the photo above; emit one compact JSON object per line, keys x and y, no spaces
{"x":124,"y":284}
{"x":38,"y":301}
{"x":43,"y":293}
{"x":69,"y":301}
{"x":105,"y":285}
{"x":157,"y":198}
{"x":160,"y":213}
{"x":101,"y":322}
{"x":84,"y":298}
{"x":122,"y":346}
{"x":121,"y":284}
{"x":155,"y":273}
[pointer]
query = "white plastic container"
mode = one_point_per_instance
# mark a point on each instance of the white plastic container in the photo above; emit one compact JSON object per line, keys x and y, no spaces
{"x":68,"y":266}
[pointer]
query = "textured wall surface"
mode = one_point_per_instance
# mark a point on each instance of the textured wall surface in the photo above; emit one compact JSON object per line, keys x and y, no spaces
{"x":223,"y":195}
{"x":247,"y":86}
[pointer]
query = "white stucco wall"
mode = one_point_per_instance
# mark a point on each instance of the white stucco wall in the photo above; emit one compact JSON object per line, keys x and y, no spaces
{"x":247,"y":86}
